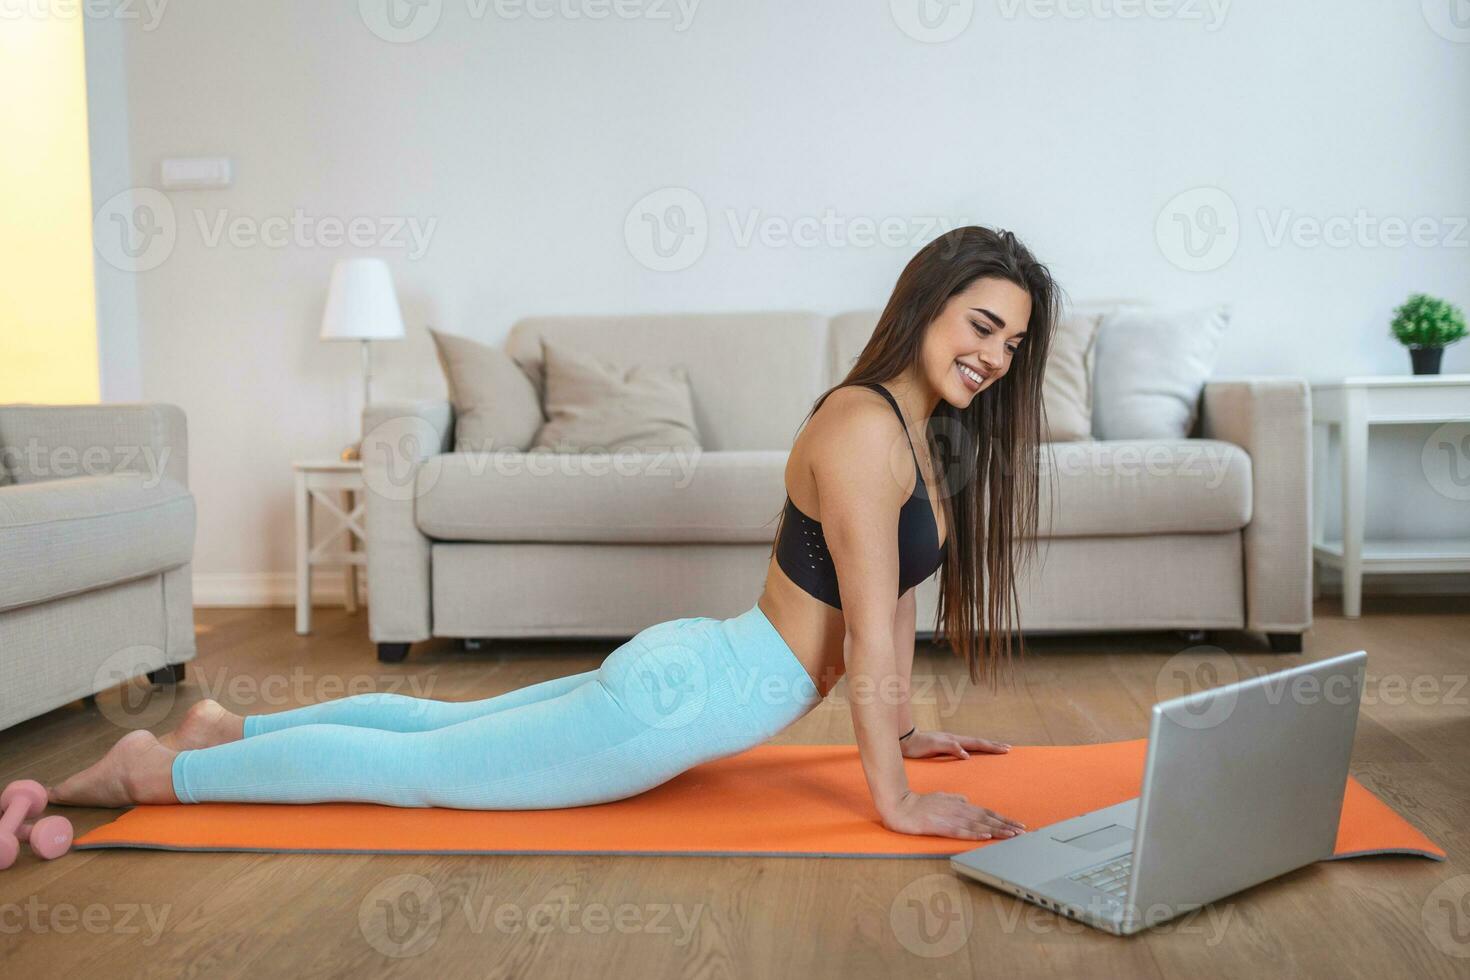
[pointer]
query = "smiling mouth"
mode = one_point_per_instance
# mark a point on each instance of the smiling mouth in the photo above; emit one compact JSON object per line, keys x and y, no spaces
{"x":974,"y":380}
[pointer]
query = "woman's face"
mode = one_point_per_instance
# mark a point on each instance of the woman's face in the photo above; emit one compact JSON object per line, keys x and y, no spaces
{"x":971,"y":344}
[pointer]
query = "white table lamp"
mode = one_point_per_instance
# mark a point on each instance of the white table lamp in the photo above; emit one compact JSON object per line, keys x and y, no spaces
{"x":362,"y":306}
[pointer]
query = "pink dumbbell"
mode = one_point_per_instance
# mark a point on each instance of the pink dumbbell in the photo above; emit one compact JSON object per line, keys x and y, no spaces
{"x":20,"y":800}
{"x":49,"y":837}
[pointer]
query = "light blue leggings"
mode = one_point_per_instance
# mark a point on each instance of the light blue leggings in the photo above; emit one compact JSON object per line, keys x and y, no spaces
{"x":677,"y":694}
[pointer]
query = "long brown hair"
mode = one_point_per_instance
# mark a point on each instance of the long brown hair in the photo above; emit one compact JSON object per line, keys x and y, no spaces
{"x":990,"y":463}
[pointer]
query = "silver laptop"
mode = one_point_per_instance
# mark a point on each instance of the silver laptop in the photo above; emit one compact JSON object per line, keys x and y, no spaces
{"x":1242,"y":783}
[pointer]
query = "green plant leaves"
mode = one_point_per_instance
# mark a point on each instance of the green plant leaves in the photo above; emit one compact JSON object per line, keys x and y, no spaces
{"x":1427,"y":321}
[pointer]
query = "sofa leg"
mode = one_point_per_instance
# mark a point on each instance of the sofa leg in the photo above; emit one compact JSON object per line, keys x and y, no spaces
{"x":1194,"y":636}
{"x":1285,"y":642}
{"x":392,"y":653}
{"x":469,"y":645}
{"x":172,"y":674}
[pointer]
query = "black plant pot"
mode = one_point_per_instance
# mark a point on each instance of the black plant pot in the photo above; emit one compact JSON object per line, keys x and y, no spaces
{"x":1426,"y":359}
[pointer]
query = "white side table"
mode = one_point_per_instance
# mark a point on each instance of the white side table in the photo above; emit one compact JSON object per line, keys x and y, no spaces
{"x":1352,"y":405}
{"x":319,"y":482}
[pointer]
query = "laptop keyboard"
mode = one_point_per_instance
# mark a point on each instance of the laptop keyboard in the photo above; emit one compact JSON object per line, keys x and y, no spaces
{"x":1111,"y":878}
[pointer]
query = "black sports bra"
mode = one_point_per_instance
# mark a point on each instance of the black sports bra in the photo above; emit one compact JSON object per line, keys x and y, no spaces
{"x":801,"y":549}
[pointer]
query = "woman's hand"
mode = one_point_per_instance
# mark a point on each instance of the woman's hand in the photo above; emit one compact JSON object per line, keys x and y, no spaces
{"x":948,"y":815}
{"x":924,"y":745}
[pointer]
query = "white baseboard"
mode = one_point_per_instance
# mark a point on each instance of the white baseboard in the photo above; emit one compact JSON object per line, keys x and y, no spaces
{"x":267,"y":588}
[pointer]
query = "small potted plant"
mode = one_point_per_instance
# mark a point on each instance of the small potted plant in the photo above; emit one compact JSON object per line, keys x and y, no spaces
{"x":1427,"y":325}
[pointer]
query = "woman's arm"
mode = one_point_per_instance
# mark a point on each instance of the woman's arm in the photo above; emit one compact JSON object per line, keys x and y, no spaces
{"x":859,"y":501}
{"x":853,"y":466}
{"x":904,"y":624}
{"x":924,"y":744}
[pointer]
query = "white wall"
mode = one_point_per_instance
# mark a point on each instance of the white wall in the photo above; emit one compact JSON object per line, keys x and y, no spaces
{"x":118,"y":350}
{"x":525,"y":142}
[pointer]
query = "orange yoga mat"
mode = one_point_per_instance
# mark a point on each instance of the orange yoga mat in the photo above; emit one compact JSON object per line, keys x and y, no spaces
{"x":773,"y":800}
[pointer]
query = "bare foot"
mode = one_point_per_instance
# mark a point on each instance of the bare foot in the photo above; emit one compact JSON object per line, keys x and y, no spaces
{"x":138,"y":769}
{"x":206,"y":724}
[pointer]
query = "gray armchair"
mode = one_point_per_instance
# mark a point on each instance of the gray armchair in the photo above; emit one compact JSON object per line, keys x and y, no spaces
{"x":96,"y":539}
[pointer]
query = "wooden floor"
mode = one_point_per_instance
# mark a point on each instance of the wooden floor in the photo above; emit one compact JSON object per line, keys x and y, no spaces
{"x":127,"y":913}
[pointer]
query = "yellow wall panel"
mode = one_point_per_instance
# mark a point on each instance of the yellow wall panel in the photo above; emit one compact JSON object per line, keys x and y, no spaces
{"x":48,"y":313}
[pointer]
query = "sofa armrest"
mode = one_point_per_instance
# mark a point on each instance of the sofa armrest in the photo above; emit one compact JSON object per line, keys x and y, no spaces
{"x":1271,"y":419}
{"x":55,"y":442}
{"x":398,"y":438}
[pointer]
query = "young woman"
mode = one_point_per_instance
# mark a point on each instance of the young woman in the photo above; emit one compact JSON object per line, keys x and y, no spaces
{"x":958,"y":352}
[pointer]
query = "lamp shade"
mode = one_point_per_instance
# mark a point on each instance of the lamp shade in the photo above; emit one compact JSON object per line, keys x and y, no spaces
{"x":361,"y":302}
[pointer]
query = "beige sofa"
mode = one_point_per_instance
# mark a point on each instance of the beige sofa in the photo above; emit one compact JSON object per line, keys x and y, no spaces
{"x":1198,"y":533}
{"x":96,"y":539}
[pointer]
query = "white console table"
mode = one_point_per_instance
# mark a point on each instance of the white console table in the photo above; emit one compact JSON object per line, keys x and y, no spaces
{"x":1352,"y":405}
{"x":317,"y":482}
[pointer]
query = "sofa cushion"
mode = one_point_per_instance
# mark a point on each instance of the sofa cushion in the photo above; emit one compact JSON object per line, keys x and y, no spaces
{"x":495,"y":405}
{"x":1150,"y":369}
{"x":1143,"y":486}
{"x":754,"y":375}
{"x":731,"y":496}
{"x":61,"y":537}
{"x":1130,"y":487}
{"x":1066,"y":385}
{"x":593,"y":405}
